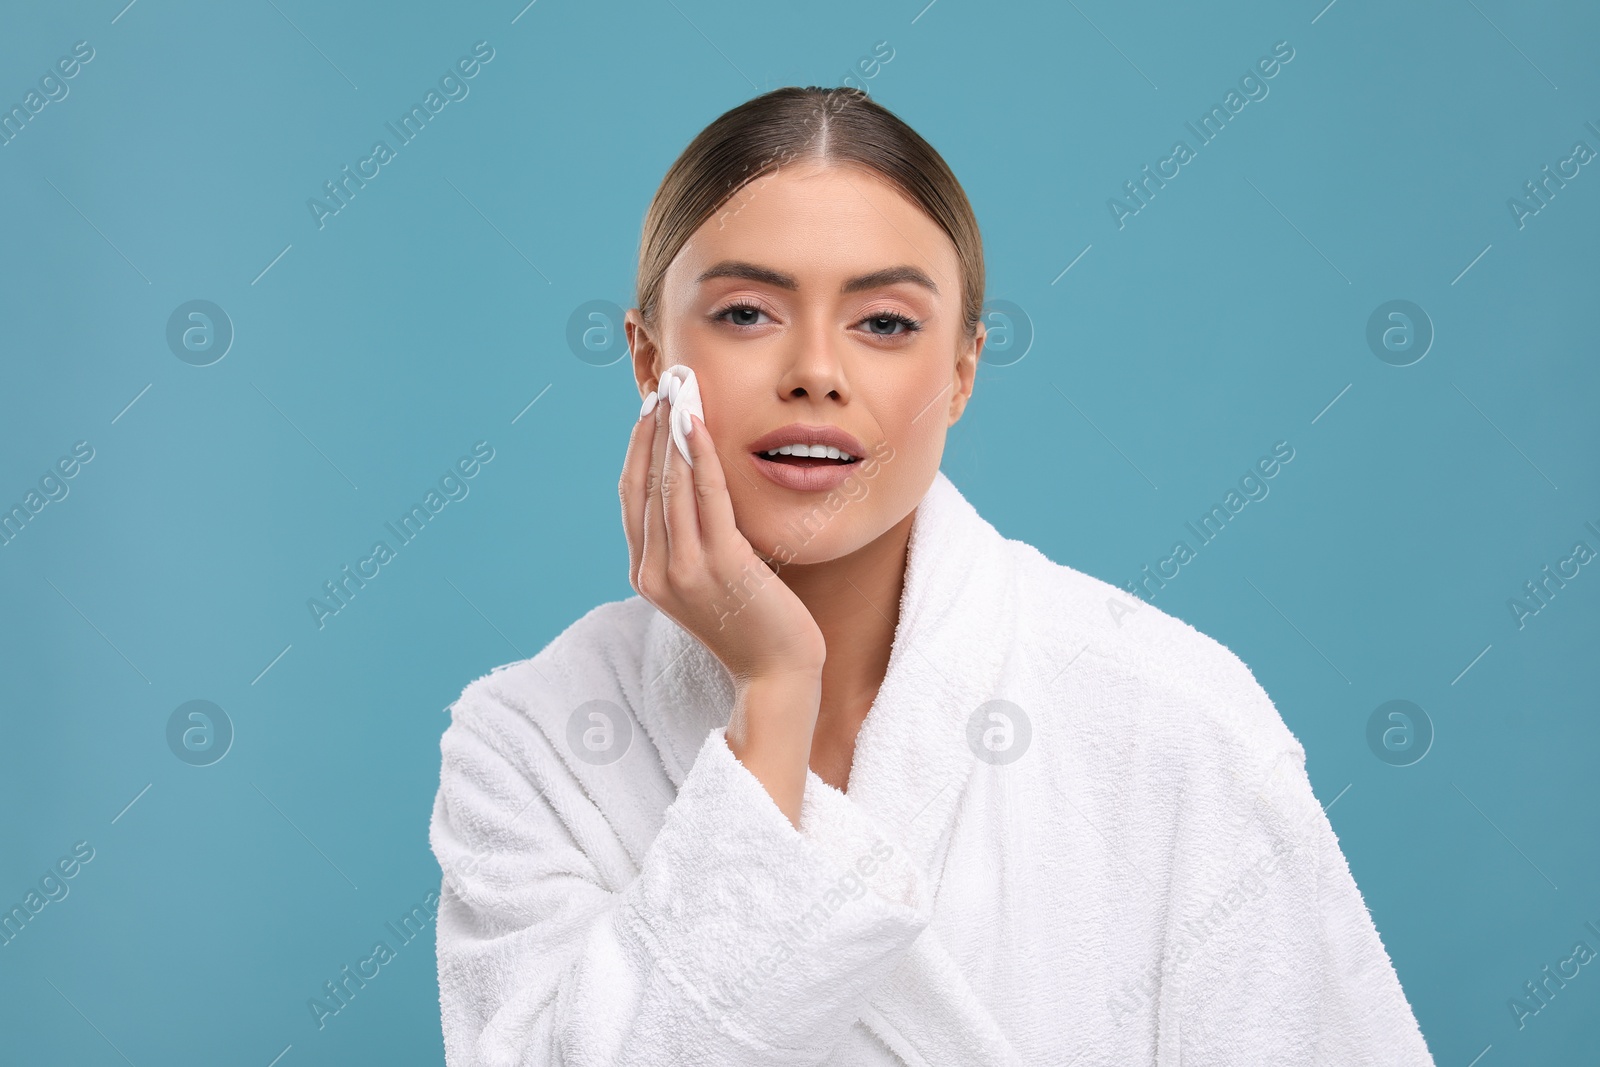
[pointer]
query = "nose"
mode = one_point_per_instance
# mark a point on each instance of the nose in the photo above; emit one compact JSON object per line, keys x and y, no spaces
{"x":815,"y":368}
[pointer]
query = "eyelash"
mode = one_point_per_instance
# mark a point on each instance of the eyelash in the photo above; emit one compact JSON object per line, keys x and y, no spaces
{"x":911,"y":325}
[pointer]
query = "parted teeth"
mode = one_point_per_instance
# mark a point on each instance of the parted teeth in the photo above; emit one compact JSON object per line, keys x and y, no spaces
{"x":813,"y":451}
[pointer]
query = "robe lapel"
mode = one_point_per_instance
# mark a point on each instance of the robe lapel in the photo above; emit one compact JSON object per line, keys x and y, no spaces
{"x":957,"y":618}
{"x":913,"y":757}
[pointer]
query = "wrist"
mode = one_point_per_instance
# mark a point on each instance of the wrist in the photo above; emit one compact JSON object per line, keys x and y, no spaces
{"x":777,"y":708}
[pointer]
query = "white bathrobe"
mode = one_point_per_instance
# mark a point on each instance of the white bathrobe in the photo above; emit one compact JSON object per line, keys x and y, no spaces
{"x":1122,"y":862}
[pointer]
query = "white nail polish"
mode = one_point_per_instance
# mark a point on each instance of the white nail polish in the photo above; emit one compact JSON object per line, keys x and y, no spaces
{"x":649,"y":404}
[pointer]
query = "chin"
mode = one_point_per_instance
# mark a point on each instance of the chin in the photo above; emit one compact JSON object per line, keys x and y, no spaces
{"x":806,"y":534}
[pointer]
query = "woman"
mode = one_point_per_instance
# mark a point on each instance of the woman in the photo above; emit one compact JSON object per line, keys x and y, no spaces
{"x":855,"y":779}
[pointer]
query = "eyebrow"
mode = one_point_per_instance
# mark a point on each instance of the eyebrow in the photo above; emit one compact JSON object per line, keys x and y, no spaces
{"x":736,"y":268}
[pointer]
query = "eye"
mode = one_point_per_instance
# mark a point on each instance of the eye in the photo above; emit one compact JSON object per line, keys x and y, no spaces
{"x":882,"y":325}
{"x":888,"y":319}
{"x":742,"y":308}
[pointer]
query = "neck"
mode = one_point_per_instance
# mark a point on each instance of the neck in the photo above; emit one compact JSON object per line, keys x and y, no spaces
{"x":855,"y":601}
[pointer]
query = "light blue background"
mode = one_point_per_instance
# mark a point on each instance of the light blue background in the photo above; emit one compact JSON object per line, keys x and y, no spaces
{"x":1227,"y":315}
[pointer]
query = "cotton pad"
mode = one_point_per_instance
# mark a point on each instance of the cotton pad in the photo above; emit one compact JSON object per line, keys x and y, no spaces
{"x":679,"y":385}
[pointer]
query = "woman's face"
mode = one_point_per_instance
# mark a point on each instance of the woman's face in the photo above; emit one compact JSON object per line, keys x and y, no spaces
{"x":772,"y":302}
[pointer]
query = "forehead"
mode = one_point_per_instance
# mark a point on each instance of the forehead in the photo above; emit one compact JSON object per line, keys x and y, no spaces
{"x":819,"y":222}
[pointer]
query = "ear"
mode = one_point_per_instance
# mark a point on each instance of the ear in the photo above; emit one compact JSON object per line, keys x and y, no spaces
{"x":965,"y":373}
{"x":645,"y":352}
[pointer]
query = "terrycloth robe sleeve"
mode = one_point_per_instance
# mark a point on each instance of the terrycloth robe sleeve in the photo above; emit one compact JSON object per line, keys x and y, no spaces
{"x":739,"y":939}
{"x":1289,"y":967}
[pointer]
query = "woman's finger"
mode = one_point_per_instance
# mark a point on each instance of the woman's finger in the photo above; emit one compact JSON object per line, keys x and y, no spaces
{"x":654,"y":559}
{"x":677,"y":494}
{"x":718,"y":531}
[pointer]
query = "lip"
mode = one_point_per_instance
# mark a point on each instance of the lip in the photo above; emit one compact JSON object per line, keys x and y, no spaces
{"x":799,"y":433}
{"x":806,"y":479}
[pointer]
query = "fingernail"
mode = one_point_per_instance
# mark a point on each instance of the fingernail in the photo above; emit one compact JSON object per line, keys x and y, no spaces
{"x":649,"y":403}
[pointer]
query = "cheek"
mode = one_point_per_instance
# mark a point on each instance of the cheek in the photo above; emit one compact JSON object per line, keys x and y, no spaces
{"x":912,"y":438}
